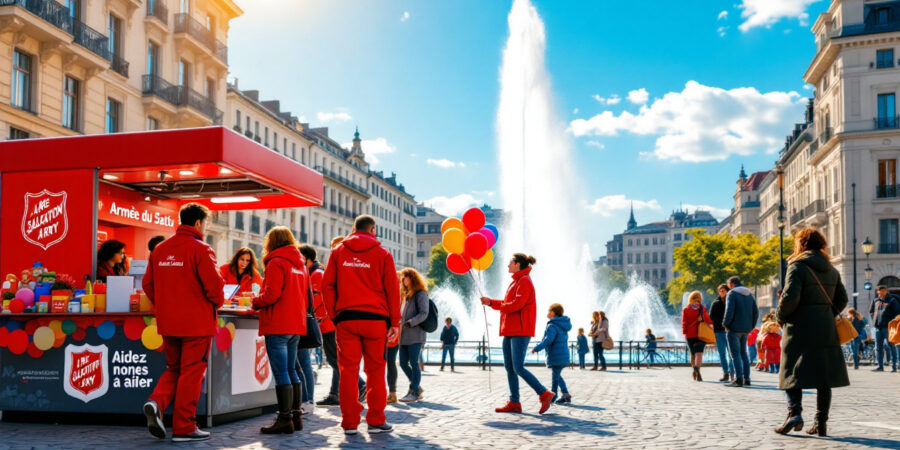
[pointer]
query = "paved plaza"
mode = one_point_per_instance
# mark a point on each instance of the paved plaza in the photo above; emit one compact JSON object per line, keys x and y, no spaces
{"x":658,"y":408}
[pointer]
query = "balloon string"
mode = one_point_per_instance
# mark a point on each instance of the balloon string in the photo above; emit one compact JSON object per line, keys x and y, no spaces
{"x":487,"y":335}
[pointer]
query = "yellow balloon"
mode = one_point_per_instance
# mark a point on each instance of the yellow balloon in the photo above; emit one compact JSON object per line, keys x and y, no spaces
{"x":454,"y":241}
{"x":484,"y":262}
{"x":230,"y":327}
{"x":151,"y":338}
{"x":452,"y":222}
{"x":43,"y":338}
{"x":55,"y":325}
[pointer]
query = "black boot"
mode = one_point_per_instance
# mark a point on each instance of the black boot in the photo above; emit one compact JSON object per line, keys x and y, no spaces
{"x":793,"y":422}
{"x":820,"y":426}
{"x":283,"y":422}
{"x":295,"y":406}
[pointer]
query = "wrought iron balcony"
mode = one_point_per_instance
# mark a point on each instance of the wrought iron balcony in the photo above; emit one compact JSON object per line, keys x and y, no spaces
{"x":886,"y":191}
{"x":49,"y":10}
{"x":889,"y":248}
{"x":157,"y":9}
{"x":92,"y":40}
{"x":155,"y":85}
{"x":184,"y":23}
{"x":119,"y":65}
{"x":825,"y":136}
{"x":885,"y":123}
{"x":249,"y":134}
{"x":199,"y":102}
{"x":237,"y":128}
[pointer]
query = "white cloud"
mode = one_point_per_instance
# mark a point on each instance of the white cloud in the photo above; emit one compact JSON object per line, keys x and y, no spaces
{"x":722,"y":15}
{"x":484,"y":193}
{"x":445,"y":163}
{"x":704,"y":123}
{"x":807,"y":87}
{"x":326,"y":117}
{"x":595,"y":144}
{"x":722,"y":31}
{"x":639,"y":96}
{"x":575,"y":111}
{"x":405,"y":16}
{"x":606,"y":206}
{"x":718,"y":213}
{"x":452,"y":206}
{"x":765,"y":13}
{"x":614,"y":100}
{"x":374,"y":147}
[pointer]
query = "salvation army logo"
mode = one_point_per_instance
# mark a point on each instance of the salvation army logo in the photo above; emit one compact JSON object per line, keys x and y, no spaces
{"x":85,"y":375}
{"x":262,"y":372}
{"x":45,"y":222}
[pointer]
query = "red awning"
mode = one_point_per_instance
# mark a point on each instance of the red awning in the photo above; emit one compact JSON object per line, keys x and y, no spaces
{"x":213,"y":166}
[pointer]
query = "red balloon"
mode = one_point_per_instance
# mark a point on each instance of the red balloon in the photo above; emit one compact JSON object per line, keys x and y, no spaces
{"x":18,"y":342}
{"x":223,"y":339}
{"x":30,"y":326}
{"x":34,"y":352}
{"x":134,"y":326}
{"x":457,"y":264}
{"x":79,"y":335}
{"x":473,"y":219}
{"x":476,"y":245}
{"x":490,"y":236}
{"x":4,"y":337}
{"x":16,"y":306}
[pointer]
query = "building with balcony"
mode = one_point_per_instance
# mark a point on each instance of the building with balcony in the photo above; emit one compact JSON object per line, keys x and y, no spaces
{"x":428,"y":234}
{"x":395,"y":211}
{"x":87,"y":67}
{"x":745,"y":214}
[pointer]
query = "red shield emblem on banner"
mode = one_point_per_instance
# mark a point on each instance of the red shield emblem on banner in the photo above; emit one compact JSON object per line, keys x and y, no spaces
{"x":85,"y":377}
{"x":262,"y":362}
{"x":45,"y":221}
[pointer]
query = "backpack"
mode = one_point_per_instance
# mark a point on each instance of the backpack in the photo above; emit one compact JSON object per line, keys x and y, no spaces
{"x":431,"y":322}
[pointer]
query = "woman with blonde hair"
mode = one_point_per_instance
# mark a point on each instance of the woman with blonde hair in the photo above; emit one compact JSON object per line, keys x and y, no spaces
{"x":599,"y":331}
{"x":414,"y":311}
{"x":690,"y":322}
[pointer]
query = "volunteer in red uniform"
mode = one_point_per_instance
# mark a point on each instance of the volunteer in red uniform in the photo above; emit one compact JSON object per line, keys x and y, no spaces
{"x":282,"y":320}
{"x":362,"y":297}
{"x":242,"y":270}
{"x":184,"y":285}
{"x":517,"y":319}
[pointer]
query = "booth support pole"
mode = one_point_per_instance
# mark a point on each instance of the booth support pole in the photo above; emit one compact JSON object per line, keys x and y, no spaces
{"x":95,"y":217}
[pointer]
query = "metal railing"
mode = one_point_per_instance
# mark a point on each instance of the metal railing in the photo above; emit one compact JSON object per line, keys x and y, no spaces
{"x":48,"y":10}
{"x":825,"y":136}
{"x":886,"y":191}
{"x":155,"y":85}
{"x":91,"y":39}
{"x":157,"y":9}
{"x":181,"y":96}
{"x":119,"y":65}
{"x":184,"y":23}
{"x":888,"y":248}
{"x":886,"y":123}
{"x":341,"y":179}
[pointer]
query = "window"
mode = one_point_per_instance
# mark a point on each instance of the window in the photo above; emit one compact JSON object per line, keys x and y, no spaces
{"x":884,"y":58}
{"x":637,"y":258}
{"x":677,"y":237}
{"x":114,"y":34}
{"x":210,"y":23}
{"x":275,"y":141}
{"x":71,"y":103}
{"x":237,"y":117}
{"x":887,"y":117}
{"x":887,"y":236}
{"x":15,"y":133}
{"x":113,"y":116}
{"x":185,"y":6}
{"x":184,"y":73}
{"x":210,"y":88}
{"x":887,"y":172}
{"x":254,"y":224}
{"x":267,"y":137}
{"x":152,"y":58}
{"x":152,"y":123}
{"x":21,"y":81}
{"x":882,"y":16}
{"x":74,"y":7}
{"x":248,"y":124}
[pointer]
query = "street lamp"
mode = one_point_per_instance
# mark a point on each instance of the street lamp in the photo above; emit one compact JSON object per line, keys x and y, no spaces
{"x":868,"y":246}
{"x":781,"y":224}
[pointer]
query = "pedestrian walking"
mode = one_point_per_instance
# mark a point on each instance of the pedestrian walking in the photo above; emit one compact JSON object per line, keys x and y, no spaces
{"x":691,"y":317}
{"x":883,"y":310}
{"x":449,"y":337}
{"x":184,"y":285}
{"x":414,"y":311}
{"x":393,"y":348}
{"x":556,"y":342}
{"x":517,"y":322}
{"x":771,"y":346}
{"x":741,"y":314}
{"x":860,"y":325}
{"x":599,"y":331}
{"x":362,"y":297}
{"x":752,"y":339}
{"x":650,"y":340}
{"x":717,"y":314}
{"x":316,"y":272}
{"x":582,"y":348}
{"x":282,"y":307}
{"x":812,"y":298}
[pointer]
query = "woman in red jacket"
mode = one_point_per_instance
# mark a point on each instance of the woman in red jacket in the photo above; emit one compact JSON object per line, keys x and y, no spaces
{"x":517,"y":321}
{"x":690,"y":320}
{"x":242,"y":269}
{"x":282,"y":319}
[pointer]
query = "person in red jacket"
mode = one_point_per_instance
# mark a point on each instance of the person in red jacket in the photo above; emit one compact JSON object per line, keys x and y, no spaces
{"x":362,"y":296}
{"x":771,"y":345}
{"x":185,"y":287}
{"x":282,"y":319}
{"x":518,"y":315}
{"x":690,"y":321}
{"x":242,"y":270}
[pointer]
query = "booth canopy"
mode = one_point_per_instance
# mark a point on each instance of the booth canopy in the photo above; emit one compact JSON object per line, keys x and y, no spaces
{"x":213,"y":166}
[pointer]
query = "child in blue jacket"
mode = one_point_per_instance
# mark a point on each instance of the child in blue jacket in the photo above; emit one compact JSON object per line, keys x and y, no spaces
{"x":556,"y":342}
{"x":582,"y":348}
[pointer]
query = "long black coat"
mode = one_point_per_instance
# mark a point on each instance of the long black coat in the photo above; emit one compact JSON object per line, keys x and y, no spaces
{"x":811,"y":354}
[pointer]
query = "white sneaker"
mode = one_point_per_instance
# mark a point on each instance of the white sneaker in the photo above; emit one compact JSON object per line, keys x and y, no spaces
{"x":409,"y":398}
{"x":350,"y":431}
{"x":307,"y":408}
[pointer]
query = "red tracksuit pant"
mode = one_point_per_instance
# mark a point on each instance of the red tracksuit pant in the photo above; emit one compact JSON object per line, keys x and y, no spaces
{"x":182,"y":380}
{"x":362,"y":340}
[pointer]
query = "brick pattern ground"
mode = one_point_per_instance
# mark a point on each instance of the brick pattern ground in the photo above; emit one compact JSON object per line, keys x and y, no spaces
{"x":658,"y":408}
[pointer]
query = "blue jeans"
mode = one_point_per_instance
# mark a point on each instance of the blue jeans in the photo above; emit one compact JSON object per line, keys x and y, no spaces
{"x":773,"y":368}
{"x":651,"y":356}
{"x":319,"y":355}
{"x":751,"y":349}
{"x":737,"y":343}
{"x":514,"y":349}
{"x":856,"y":347}
{"x":581,"y":360}
{"x":558,"y":380}
{"x":724,"y":357}
{"x":448,"y":349}
{"x":304,"y":367}
{"x":881,"y":341}
{"x":409,"y":363}
{"x":282,"y":351}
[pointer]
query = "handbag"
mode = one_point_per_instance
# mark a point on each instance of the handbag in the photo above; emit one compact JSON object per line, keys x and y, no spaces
{"x":845,"y":330}
{"x":313,"y":336}
{"x":608,"y":343}
{"x":894,"y":331}
{"x":705,"y":331}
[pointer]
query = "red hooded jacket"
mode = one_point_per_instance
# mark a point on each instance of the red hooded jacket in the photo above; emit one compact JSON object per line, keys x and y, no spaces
{"x":315,"y":277}
{"x":285,"y":293}
{"x":184,"y":285}
{"x":361,"y":277}
{"x":690,"y":319}
{"x":772,"y":344}
{"x":246,"y":282}
{"x":518,"y":310}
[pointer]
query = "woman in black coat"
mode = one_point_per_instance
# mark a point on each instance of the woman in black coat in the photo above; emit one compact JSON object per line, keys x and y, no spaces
{"x":811,"y":356}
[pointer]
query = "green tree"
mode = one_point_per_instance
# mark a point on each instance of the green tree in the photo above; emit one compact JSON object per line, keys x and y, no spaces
{"x":439,"y":275}
{"x":605,"y":275}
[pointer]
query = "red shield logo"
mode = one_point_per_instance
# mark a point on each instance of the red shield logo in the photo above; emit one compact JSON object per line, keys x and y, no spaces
{"x":86,"y":371}
{"x":262,"y":362}
{"x":45,"y":221}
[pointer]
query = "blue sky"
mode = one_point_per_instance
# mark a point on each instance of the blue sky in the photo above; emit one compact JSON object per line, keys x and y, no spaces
{"x":681,"y":93}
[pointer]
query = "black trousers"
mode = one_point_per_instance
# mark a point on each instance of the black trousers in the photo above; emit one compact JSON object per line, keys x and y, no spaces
{"x":823,"y":401}
{"x":391,"y":358}
{"x":598,"y":355}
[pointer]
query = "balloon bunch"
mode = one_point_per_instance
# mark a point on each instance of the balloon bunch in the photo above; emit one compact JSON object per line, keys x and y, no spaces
{"x":469,"y":242}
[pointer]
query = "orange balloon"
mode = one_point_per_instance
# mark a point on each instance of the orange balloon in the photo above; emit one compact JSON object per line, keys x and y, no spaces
{"x":454,"y":241}
{"x":453,"y":222}
{"x":484,"y":262}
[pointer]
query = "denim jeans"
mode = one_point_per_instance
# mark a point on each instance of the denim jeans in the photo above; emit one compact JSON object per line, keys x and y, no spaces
{"x":581,"y":360}
{"x":737,"y":343}
{"x":304,"y":367}
{"x":598,"y":355}
{"x":651,"y":356}
{"x":391,"y":359}
{"x":751,"y":349}
{"x":448,"y":349}
{"x":773,"y":368}
{"x":558,"y":380}
{"x":856,"y":347}
{"x":725,"y":359}
{"x":514,"y":349}
{"x":282,"y":351}
{"x":881,"y":341}
{"x":795,"y":401}
{"x":409,"y":363}
{"x":319,"y":355}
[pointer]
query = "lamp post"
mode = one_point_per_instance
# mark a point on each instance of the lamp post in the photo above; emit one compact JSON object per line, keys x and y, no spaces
{"x":855,"y":290}
{"x":868,"y":246}
{"x":781,"y":225}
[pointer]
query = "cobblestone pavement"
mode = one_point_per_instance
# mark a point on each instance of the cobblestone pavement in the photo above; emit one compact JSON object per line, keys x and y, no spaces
{"x":658,"y":408}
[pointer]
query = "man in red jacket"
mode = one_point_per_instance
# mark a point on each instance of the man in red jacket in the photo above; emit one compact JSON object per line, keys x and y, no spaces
{"x":184,"y":285}
{"x":362,"y":296}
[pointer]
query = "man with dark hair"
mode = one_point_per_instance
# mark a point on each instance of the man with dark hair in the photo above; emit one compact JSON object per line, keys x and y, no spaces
{"x":449,"y":337}
{"x":741,"y":314}
{"x":154,"y":241}
{"x":362,"y":296}
{"x":184,"y":285}
{"x":883,"y":310}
